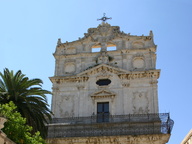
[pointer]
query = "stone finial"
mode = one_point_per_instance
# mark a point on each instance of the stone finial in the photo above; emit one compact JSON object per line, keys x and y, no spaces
{"x":59,"y":41}
{"x":2,"y":121}
{"x":151,"y":33}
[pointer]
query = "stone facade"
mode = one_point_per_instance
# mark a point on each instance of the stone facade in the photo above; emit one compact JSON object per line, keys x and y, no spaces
{"x":131,"y":69}
{"x":118,"y":80}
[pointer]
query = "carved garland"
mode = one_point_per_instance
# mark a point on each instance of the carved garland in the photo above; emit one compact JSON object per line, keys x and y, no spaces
{"x":74,"y":79}
{"x":103,"y":69}
{"x":139,"y":75}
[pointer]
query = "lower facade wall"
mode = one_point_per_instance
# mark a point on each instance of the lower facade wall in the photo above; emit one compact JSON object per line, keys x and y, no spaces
{"x":139,"y":139}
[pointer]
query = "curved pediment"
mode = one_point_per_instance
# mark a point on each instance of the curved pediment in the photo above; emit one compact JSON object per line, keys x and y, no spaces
{"x":103,"y":69}
{"x":103,"y":33}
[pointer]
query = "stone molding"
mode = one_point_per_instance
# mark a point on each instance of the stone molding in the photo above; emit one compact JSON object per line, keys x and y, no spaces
{"x":60,"y":80}
{"x":138,"y":139}
{"x":103,"y":94}
{"x":102,"y":68}
{"x":124,"y":51}
{"x":142,"y":74}
{"x":123,"y":74}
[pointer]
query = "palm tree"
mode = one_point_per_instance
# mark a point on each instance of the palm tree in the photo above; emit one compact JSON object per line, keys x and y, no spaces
{"x":29,"y":98}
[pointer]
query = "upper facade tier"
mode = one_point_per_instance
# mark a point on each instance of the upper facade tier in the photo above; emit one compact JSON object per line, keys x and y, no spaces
{"x":105,"y":44}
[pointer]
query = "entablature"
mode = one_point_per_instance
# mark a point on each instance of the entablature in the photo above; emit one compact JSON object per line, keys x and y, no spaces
{"x":140,"y":74}
{"x":123,"y":75}
{"x":65,"y":79}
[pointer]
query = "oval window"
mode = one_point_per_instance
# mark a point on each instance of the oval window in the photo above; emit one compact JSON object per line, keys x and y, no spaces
{"x":103,"y":82}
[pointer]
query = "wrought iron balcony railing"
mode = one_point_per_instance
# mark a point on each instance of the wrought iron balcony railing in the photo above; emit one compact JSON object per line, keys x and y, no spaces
{"x":110,"y":125}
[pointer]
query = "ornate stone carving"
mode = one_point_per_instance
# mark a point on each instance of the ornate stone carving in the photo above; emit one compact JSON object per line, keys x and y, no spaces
{"x":140,"y":103}
{"x":103,"y":94}
{"x":69,"y":67}
{"x":153,"y":82}
{"x":80,"y":85}
{"x":103,"y":74}
{"x":103,"y":58}
{"x":139,"y":75}
{"x":101,"y":68}
{"x":60,"y":80}
{"x":138,"y":61}
{"x":125,"y":84}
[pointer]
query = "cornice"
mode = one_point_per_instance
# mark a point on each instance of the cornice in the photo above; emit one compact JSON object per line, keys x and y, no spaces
{"x":64,"y":79}
{"x":140,"y":74}
{"x":153,"y":74}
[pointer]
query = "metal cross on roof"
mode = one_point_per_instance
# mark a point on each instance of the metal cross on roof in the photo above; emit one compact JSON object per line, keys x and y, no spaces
{"x":104,"y":18}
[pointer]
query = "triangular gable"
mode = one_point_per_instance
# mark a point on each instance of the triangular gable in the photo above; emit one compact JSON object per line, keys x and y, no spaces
{"x":101,"y":68}
{"x":103,"y":94}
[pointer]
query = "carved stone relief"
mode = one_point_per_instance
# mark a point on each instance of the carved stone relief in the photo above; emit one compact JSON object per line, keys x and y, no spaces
{"x":69,"y":67}
{"x":140,"y":103}
{"x":103,"y":58}
{"x":149,"y":74}
{"x":138,"y":63}
{"x":80,"y":85}
{"x":125,"y":83}
{"x":103,"y":74}
{"x":64,"y":102}
{"x":102,"y":68}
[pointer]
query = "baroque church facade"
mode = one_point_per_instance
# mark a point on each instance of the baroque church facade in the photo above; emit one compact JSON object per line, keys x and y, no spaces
{"x":105,"y":90}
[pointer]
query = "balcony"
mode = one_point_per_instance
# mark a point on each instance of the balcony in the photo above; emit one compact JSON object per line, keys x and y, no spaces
{"x":110,"y":125}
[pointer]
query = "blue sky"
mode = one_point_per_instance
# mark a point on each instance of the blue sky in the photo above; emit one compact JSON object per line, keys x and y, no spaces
{"x":29,"y":31}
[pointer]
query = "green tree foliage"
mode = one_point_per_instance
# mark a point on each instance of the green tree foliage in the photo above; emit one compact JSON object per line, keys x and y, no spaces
{"x":29,"y":98}
{"x":16,"y":128}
